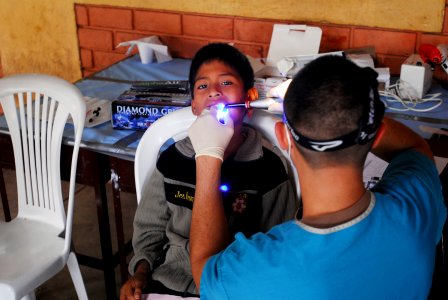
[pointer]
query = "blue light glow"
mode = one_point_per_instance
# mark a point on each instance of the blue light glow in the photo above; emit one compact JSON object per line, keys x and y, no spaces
{"x":224,"y":188}
{"x":222,"y":112}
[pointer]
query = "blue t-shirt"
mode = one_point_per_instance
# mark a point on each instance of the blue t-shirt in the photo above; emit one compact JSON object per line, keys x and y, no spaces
{"x":387,"y":252}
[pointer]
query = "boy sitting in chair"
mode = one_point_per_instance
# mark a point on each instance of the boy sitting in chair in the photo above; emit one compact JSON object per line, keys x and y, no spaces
{"x":256,"y":191}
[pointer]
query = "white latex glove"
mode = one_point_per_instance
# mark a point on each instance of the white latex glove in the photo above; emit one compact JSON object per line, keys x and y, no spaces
{"x":210,"y":137}
{"x":280,"y":90}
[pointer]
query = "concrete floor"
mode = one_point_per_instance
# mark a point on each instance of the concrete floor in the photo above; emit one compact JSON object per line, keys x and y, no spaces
{"x":85,"y":238}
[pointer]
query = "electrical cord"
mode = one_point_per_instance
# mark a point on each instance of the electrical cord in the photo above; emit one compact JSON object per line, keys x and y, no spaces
{"x":403,"y":93}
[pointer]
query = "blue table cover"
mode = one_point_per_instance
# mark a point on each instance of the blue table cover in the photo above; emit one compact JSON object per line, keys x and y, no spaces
{"x":111,"y":82}
{"x":107,"y":84}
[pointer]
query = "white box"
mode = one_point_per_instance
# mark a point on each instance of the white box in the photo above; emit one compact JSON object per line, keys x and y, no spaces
{"x":286,"y":41}
{"x":416,"y":77}
{"x":290,"y":40}
{"x":383,"y":78}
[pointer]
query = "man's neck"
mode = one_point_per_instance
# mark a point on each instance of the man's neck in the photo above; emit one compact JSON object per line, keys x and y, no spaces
{"x":340,"y":217}
{"x":330,"y":190}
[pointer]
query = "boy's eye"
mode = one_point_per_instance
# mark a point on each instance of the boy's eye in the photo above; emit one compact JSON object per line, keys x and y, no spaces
{"x":201,"y":86}
{"x":227,"y":82}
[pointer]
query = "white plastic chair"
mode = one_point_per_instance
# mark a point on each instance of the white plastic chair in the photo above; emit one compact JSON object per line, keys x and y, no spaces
{"x":175,"y":126}
{"x":35,"y":245}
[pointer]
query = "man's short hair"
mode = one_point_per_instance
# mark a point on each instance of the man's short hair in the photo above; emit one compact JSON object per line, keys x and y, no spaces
{"x":226,"y":54}
{"x":330,"y":98}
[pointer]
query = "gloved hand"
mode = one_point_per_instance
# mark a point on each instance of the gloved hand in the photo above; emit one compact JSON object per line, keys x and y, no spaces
{"x":210,"y":137}
{"x":280,"y":90}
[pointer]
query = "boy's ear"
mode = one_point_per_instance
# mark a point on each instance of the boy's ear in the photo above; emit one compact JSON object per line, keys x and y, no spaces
{"x":281,"y":133}
{"x":252,"y":94}
{"x":193,"y":107}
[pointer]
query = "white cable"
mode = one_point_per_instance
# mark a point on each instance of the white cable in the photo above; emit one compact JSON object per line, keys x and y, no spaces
{"x":402,"y":92}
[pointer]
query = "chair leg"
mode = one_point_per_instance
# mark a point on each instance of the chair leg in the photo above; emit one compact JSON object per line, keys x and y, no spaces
{"x":4,"y":197}
{"x":75,"y":273}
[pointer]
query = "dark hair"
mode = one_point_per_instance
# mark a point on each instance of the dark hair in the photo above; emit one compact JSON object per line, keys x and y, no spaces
{"x":226,"y":54}
{"x":330,"y":98}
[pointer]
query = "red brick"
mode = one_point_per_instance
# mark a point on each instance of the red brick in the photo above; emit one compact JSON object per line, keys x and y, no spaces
{"x":256,"y":51}
{"x":102,"y":59}
{"x":433,"y":39}
{"x":121,"y":36}
{"x":81,"y":15}
{"x":445,"y":21}
{"x":124,"y":37}
{"x":335,"y":38}
{"x":161,"y":22}
{"x":209,"y":27}
{"x":110,"y":17}
{"x":393,"y":62}
{"x":86,"y":58}
{"x":95,"y":39}
{"x":183,"y":47}
{"x":88,"y":72}
{"x":384,"y":41}
{"x":253,"y":31}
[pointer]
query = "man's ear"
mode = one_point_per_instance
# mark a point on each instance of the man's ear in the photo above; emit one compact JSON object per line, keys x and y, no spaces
{"x":281,"y":133}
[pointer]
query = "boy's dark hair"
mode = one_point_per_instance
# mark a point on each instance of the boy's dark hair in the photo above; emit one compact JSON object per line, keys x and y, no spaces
{"x":226,"y":54}
{"x":329,"y":98}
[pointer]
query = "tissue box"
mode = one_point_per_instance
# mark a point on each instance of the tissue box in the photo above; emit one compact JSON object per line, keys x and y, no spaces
{"x":147,"y":101}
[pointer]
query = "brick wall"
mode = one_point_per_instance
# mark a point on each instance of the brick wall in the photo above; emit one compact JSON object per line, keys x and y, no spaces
{"x":101,"y":28}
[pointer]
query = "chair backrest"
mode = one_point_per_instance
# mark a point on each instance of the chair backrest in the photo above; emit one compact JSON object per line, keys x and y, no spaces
{"x":175,"y":126}
{"x":171,"y":126}
{"x":37,"y":108}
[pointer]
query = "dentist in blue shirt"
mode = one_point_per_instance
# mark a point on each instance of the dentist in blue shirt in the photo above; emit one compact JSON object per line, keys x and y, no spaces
{"x":346,"y":242}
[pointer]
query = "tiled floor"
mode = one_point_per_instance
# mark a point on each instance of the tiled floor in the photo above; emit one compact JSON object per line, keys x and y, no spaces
{"x":85,"y":239}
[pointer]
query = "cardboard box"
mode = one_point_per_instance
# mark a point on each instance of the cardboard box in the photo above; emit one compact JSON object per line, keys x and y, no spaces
{"x":147,"y":101}
{"x":140,"y":114}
